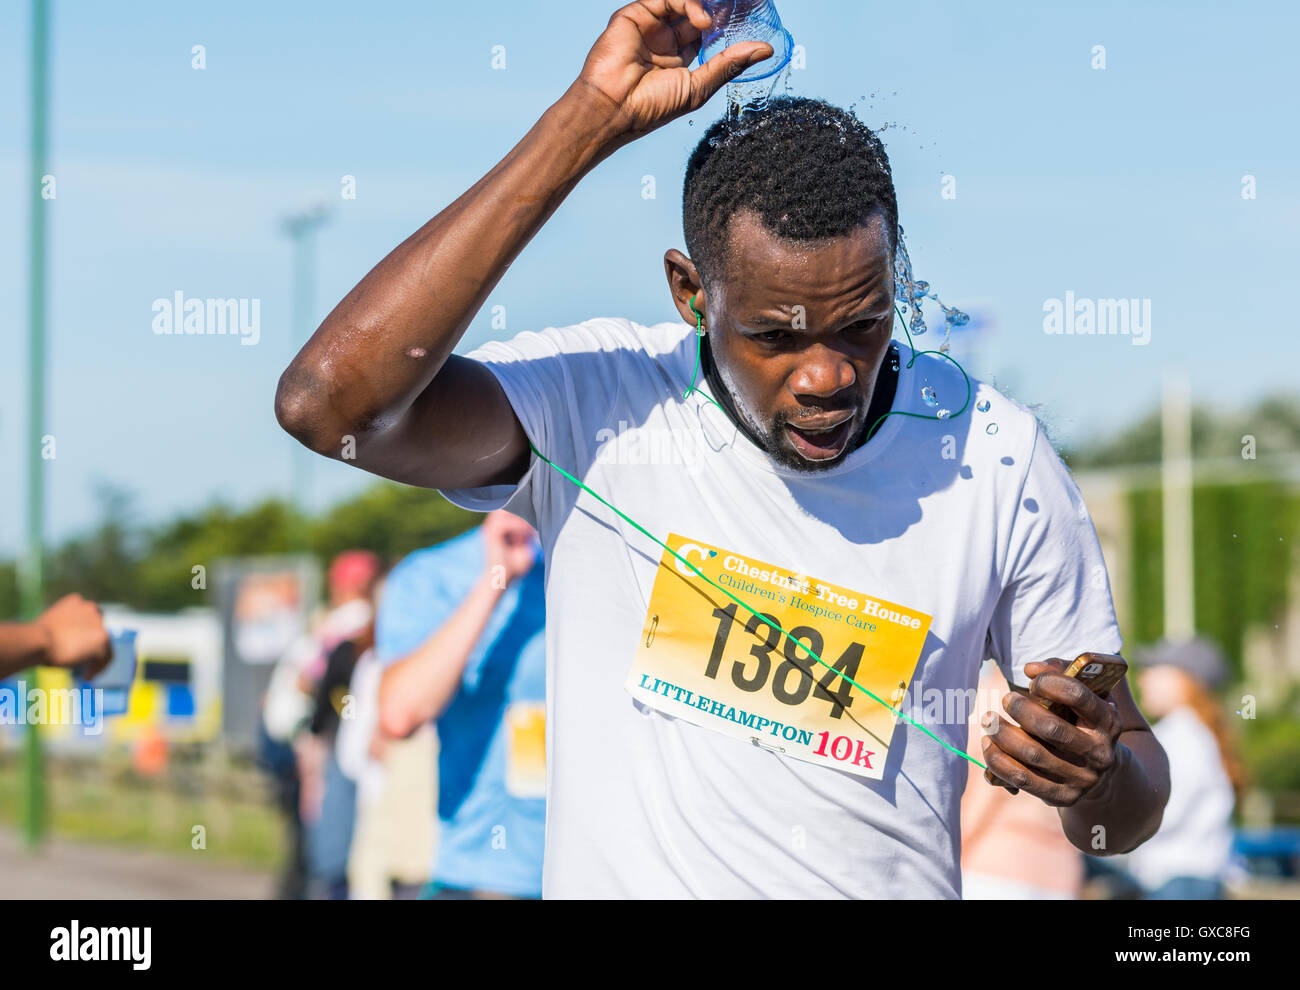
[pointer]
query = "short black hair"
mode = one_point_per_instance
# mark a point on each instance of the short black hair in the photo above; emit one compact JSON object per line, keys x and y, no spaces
{"x":809,"y":169}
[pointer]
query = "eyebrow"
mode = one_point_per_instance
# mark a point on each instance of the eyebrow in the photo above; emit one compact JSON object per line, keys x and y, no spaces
{"x":778,"y":323}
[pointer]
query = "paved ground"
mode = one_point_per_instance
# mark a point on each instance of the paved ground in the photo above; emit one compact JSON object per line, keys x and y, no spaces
{"x":78,"y":870}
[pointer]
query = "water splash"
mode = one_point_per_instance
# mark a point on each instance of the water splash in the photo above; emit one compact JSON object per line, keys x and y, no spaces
{"x":984,"y":405}
{"x":755,"y":96}
{"x":906,"y":290}
{"x":910,"y":293}
{"x":930,"y":396}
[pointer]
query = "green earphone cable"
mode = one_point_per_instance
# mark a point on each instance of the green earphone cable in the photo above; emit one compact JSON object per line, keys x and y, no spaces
{"x":699,"y":353}
{"x":641,"y":529}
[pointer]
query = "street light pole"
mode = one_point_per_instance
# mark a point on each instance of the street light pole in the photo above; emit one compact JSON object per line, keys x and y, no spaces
{"x":33,"y":576}
{"x":1177,"y":488}
{"x":301,"y":229}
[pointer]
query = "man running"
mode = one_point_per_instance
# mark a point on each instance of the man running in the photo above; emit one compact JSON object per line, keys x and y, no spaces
{"x":694,"y":747}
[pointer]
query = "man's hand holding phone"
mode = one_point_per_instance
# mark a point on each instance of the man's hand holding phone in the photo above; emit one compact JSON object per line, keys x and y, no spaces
{"x":1062,"y":752}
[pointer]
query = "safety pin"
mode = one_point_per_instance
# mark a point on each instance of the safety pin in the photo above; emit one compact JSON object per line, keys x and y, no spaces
{"x":654,"y":624}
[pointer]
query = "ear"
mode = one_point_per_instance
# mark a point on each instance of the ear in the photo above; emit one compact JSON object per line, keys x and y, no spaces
{"x":684,"y":282}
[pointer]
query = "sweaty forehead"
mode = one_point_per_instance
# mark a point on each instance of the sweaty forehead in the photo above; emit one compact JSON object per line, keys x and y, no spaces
{"x":763,"y":267}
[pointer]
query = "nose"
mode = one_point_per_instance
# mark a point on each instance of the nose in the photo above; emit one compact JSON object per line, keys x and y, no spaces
{"x":822,"y":373}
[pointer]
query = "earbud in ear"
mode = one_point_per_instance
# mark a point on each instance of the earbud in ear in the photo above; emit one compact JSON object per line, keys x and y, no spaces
{"x":699,"y":317}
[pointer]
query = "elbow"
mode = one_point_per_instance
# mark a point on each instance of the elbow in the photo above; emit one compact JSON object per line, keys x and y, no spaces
{"x":301,"y":409}
{"x":1143,"y":831}
{"x":395,"y":725}
{"x":1151,"y":823}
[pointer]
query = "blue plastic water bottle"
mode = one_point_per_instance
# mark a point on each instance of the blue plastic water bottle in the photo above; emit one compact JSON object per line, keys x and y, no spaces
{"x":747,"y":20}
{"x":116,"y":679}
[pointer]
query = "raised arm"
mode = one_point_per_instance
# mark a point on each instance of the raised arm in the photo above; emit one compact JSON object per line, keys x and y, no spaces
{"x":381,"y":370}
{"x":421,"y":685}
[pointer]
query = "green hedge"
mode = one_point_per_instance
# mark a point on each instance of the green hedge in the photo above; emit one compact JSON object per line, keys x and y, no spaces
{"x":1243,"y":537}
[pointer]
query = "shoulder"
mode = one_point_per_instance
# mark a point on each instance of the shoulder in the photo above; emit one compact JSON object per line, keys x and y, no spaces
{"x":578,"y":374}
{"x":988,"y":423}
{"x":607,"y":336}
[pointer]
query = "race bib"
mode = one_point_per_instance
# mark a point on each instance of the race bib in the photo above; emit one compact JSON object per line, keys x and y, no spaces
{"x":710,"y":661}
{"x":526,"y":749}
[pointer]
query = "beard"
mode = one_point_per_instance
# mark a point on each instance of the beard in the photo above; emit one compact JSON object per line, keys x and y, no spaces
{"x":773,"y":437}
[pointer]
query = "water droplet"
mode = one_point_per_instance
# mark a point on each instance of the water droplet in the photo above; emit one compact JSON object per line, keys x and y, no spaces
{"x":944,"y":413}
{"x":929,"y":395}
{"x":991,"y":429}
{"x":984,"y":405}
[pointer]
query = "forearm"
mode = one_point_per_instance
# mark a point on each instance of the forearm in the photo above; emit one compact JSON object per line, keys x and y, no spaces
{"x":420,"y":686}
{"x":1125,"y":809}
{"x":387,"y":340}
{"x":22,"y":645}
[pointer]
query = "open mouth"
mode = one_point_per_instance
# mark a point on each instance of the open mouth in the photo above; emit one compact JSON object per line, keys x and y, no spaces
{"x":821,"y":445}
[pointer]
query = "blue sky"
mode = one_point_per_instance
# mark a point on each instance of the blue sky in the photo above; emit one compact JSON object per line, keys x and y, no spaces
{"x":1123,"y":182}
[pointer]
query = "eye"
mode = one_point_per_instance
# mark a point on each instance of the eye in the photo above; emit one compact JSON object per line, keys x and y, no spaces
{"x":866,"y":328}
{"x":772,"y":336}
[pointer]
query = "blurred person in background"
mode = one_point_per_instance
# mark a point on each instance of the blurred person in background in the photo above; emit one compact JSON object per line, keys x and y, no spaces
{"x":1189,"y":856}
{"x":393,"y":840}
{"x":68,"y":633}
{"x":353,"y":579}
{"x":300,"y":759}
{"x":460,"y":633}
{"x":1011,"y":848}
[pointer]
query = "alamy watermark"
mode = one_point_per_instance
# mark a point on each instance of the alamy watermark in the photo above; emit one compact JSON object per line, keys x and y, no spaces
{"x":20,"y":705}
{"x":1099,"y":317}
{"x":205,"y":317}
{"x":647,"y":445}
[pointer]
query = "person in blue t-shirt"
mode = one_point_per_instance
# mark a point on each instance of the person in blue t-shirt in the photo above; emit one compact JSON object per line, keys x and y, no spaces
{"x":460,"y":632}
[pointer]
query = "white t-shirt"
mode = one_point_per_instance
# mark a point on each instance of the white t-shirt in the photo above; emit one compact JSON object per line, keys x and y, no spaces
{"x":1195,"y":837}
{"x":972,"y":520}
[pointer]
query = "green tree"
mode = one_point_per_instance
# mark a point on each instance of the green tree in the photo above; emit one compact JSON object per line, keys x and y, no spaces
{"x":152,"y":568}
